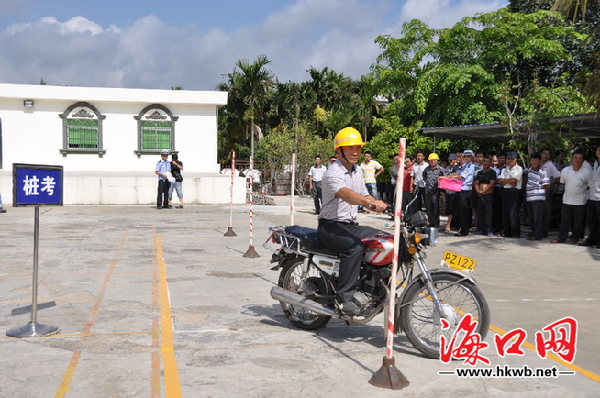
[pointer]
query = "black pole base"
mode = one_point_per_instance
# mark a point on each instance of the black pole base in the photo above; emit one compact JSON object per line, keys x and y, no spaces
{"x":230,"y":232}
{"x":389,"y":377}
{"x":251,"y":253}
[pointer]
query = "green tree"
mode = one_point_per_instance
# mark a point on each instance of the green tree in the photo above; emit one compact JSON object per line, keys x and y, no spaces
{"x":250,"y":85}
{"x":481,"y":70}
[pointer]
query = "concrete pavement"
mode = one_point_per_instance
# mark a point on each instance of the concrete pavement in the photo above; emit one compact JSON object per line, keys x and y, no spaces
{"x":152,"y":302}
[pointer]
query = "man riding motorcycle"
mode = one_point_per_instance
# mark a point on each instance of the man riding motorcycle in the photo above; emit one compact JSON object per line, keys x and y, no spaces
{"x":343,"y":191}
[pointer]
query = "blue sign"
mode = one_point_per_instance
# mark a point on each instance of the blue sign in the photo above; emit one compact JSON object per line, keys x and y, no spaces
{"x":37,"y":185}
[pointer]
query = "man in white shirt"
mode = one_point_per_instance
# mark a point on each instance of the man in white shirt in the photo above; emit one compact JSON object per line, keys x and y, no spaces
{"x":554,"y":175}
{"x":511,"y":179}
{"x":576,"y":179}
{"x":593,"y":205}
{"x":315,"y":176}
{"x":416,"y":175}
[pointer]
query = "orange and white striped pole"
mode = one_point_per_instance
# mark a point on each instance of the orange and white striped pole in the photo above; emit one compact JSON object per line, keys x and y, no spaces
{"x":388,"y":376}
{"x":230,"y":228}
{"x":293,"y":185}
{"x":251,"y":252}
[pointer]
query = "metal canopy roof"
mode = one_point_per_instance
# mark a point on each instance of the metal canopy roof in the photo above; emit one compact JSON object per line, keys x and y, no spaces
{"x":585,"y":126}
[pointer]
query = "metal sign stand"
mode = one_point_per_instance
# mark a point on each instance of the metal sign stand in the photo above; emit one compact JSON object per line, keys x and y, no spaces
{"x":33,"y":328}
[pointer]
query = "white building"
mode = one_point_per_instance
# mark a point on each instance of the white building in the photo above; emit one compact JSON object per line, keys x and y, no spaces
{"x":108,"y":140}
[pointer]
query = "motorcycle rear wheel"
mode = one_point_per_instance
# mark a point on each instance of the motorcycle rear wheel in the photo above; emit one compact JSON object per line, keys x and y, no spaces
{"x":290,"y":279}
{"x":420,"y":318}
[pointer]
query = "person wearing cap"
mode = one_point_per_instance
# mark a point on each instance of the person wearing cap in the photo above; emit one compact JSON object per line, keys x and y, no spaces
{"x":343,"y":190}
{"x":511,"y":179}
{"x":451,"y":197}
{"x":162,"y":167}
{"x":466,"y":175}
{"x":431,"y":176}
{"x":576,"y":179}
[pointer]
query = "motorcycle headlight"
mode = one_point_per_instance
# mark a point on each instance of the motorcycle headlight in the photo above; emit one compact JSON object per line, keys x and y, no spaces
{"x":429,"y":236}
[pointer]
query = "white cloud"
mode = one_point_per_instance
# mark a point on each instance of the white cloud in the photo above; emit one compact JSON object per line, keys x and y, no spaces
{"x":443,"y":13}
{"x":151,"y":53}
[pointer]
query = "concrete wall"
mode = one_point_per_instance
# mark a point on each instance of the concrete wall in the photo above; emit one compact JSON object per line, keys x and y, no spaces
{"x":35,"y":135}
{"x":93,"y":188}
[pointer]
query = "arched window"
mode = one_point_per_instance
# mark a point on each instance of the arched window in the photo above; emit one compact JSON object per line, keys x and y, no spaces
{"x":82,"y":130}
{"x":156,"y":130}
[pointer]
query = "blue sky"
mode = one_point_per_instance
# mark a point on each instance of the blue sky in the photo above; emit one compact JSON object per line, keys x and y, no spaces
{"x":159,"y":44}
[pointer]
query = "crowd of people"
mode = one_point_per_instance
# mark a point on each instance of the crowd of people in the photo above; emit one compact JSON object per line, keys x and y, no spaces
{"x":493,"y":194}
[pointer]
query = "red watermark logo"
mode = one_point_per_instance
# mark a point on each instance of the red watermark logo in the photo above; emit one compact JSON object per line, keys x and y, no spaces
{"x":466,"y":344}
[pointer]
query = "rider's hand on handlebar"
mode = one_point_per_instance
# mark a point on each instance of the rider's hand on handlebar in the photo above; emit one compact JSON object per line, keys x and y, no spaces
{"x":377,"y":206}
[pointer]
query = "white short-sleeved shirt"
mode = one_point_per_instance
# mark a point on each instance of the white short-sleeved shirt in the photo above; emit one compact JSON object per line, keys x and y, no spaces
{"x":317,"y":173}
{"x":515,"y":172}
{"x":551,"y":170}
{"x":337,"y":177}
{"x":595,"y":183}
{"x":417,"y":171}
{"x":576,"y":183}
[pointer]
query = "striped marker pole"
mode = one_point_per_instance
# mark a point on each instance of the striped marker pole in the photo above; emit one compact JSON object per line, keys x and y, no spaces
{"x":251,"y":253}
{"x":293,"y":190}
{"x":388,"y":376}
{"x":230,"y":228}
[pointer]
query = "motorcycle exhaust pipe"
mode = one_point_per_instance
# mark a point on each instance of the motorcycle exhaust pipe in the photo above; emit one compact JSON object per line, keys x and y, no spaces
{"x":288,"y":297}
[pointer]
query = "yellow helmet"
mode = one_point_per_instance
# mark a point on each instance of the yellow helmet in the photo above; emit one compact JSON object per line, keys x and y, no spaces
{"x":433,"y":156}
{"x":348,"y":136}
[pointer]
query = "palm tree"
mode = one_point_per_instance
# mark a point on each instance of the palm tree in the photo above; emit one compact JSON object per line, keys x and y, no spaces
{"x":252,"y":83}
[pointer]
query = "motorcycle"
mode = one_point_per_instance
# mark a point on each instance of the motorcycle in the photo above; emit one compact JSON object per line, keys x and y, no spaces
{"x":307,"y":283}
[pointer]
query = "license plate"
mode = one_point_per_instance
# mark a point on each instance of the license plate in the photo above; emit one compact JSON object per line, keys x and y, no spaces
{"x":459,"y":262}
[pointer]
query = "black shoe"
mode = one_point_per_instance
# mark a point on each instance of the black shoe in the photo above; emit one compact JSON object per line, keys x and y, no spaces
{"x":167,"y":207}
{"x":348,"y":308}
{"x":588,"y":244}
{"x":459,"y":235}
{"x":159,"y":207}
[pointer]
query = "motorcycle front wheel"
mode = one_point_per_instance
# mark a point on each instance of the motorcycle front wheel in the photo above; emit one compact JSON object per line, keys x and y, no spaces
{"x":421,"y":320}
{"x":314,"y":282}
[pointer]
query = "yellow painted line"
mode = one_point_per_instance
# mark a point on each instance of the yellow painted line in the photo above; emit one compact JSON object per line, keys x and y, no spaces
{"x":65,"y":383}
{"x":172,"y":385}
{"x":554,"y":357}
{"x":155,"y":355}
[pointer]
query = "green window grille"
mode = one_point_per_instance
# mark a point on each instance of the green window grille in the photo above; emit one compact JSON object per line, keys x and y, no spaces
{"x":156,"y":135}
{"x":82,"y":134}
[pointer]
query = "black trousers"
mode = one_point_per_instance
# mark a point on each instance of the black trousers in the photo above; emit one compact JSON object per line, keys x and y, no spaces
{"x":464,"y":211}
{"x":432,"y":205}
{"x":537,"y":217}
{"x":485,"y":206}
{"x":498,"y":209}
{"x":572,"y":217}
{"x":346,"y":240}
{"x":510,"y":213}
{"x":317,"y":195}
{"x":593,"y":215}
{"x":162,"y":200}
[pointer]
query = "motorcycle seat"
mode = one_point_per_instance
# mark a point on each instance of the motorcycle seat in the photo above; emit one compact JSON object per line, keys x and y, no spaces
{"x":308,"y":240}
